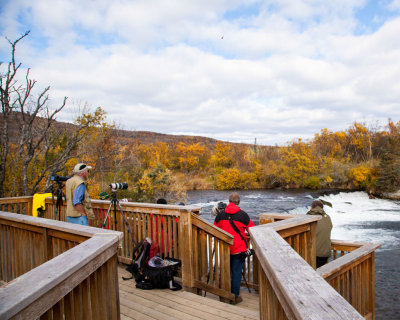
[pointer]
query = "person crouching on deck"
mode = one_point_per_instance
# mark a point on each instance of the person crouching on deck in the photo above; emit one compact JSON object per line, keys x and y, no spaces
{"x":324,"y":228}
{"x":235,"y":221}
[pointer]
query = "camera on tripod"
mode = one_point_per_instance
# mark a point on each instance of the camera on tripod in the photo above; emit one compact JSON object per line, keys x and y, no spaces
{"x":58,"y":178}
{"x":56,"y":188}
{"x":121,"y":186}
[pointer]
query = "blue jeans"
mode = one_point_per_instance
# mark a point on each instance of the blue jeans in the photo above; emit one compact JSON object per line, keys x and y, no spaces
{"x":237,"y":263}
{"x":83,"y":220}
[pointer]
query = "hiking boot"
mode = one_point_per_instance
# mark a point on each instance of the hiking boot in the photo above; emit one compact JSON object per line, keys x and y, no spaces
{"x":238,"y":299}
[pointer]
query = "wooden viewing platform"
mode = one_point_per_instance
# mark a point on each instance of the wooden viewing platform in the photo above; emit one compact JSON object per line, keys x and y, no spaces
{"x":168,"y":304}
{"x":57,"y":270}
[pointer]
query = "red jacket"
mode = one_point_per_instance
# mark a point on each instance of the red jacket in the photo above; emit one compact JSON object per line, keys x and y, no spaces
{"x":241,"y":220}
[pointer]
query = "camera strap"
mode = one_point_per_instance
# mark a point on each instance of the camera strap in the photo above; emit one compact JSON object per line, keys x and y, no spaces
{"x":235,"y":228}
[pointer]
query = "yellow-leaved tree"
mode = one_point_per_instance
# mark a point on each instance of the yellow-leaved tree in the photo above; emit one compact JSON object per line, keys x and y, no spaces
{"x":362,"y":176}
{"x":297,"y":164}
{"x":229,"y":179}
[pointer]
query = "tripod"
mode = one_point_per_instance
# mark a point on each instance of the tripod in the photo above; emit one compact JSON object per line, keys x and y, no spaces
{"x":113,"y":204}
{"x":59,"y":200}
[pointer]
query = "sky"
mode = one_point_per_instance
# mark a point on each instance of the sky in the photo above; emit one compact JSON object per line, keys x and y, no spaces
{"x":248,"y":71}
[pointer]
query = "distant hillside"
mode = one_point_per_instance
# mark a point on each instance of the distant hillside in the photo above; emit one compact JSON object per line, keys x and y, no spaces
{"x":145,"y":137}
{"x":148,"y":137}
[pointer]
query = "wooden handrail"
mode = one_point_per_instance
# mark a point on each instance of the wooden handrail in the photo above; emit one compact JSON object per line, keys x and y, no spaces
{"x":31,"y":295}
{"x":265,"y":217}
{"x":210,"y":259}
{"x":157,"y":221}
{"x":342,"y":264}
{"x":288,"y":283}
{"x":204,"y":247}
{"x":70,"y":282}
{"x":298,"y":230}
{"x":12,"y":200}
{"x":212,"y":230}
{"x":353,"y":275}
{"x":22,"y":205}
{"x":77,"y":229}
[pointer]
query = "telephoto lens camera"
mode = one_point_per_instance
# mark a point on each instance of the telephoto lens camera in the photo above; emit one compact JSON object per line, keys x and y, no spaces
{"x":57,"y":178}
{"x":219,"y":207}
{"x":121,"y":186}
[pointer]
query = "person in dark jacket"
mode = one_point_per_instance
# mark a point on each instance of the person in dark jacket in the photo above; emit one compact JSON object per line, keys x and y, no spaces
{"x":324,"y":228}
{"x":232,"y":214}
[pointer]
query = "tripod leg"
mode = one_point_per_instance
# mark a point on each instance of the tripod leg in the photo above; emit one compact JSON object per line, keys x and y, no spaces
{"x":58,"y":205}
{"x":245,"y":281}
{"x":106,"y":218}
{"x":115,"y":213}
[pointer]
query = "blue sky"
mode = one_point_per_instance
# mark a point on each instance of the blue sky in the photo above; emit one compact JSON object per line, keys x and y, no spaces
{"x":229,"y":69}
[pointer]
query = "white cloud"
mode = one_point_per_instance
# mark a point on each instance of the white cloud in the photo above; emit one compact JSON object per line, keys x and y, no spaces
{"x":279,"y":71}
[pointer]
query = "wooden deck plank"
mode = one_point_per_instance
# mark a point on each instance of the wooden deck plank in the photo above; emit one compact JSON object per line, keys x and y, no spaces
{"x":163,"y":299}
{"x":149,"y":309}
{"x":127,"y":313}
{"x":250,"y":300}
{"x":189,"y":305}
{"x":168,"y":304}
{"x":155,"y":304}
{"x":233,"y":310}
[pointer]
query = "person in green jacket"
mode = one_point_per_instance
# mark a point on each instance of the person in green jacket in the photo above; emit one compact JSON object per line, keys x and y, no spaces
{"x":324,"y":228}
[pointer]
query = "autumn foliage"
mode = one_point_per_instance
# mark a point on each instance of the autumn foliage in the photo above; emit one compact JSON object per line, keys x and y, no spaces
{"x":358,"y":158}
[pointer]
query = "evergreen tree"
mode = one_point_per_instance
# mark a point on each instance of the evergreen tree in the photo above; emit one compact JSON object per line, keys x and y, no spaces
{"x":389,"y":166}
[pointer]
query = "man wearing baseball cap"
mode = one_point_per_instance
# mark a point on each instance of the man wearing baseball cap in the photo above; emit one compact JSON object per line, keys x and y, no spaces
{"x":79,"y":207}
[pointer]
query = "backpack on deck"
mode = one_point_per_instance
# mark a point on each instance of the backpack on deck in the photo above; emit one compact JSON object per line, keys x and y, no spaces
{"x":142,"y":251}
{"x":159,"y":275}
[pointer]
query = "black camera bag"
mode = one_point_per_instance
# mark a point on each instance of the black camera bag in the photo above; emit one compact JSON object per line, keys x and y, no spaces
{"x":159,"y":277}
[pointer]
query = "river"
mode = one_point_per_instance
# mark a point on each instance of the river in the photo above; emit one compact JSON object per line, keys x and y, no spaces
{"x":354,"y":216}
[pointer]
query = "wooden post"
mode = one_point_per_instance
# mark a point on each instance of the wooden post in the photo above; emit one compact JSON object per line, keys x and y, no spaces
{"x":371,"y":278}
{"x":311,"y":245}
{"x":29,"y":205}
{"x":186,"y":253}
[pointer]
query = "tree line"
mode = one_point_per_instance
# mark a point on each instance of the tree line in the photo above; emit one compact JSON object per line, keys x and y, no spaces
{"x":34,"y":146}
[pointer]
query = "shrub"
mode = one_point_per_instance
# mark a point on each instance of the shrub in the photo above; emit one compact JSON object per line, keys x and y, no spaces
{"x":229,"y":179}
{"x":362,"y":177}
{"x":312,"y":182}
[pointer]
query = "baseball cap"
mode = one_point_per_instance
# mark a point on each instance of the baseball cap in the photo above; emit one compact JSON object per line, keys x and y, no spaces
{"x":81,"y":167}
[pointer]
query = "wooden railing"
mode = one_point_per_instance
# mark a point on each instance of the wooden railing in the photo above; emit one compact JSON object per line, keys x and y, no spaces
{"x":351,"y":271}
{"x":204,"y":249}
{"x":289,"y":287}
{"x":180,"y":234}
{"x":210,"y":258}
{"x":161,"y":223}
{"x":22,"y":205}
{"x":352,"y":274}
{"x":55,"y":271}
{"x":298,"y":233}
{"x":250,"y":269}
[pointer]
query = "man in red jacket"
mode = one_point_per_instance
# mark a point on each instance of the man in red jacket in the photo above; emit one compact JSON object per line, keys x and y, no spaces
{"x":235,"y":221}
